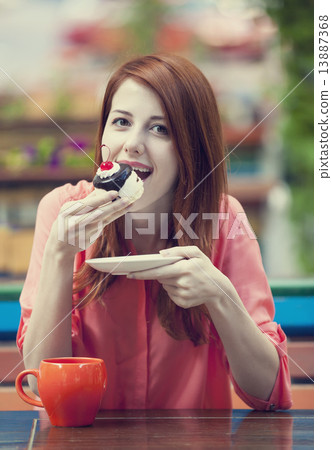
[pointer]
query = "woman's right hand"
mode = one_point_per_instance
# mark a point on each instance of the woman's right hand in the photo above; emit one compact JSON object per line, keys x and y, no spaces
{"x":81,"y":222}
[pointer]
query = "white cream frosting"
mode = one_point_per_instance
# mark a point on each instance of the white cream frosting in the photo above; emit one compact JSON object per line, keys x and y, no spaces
{"x":133,"y":187}
{"x":108,"y":173}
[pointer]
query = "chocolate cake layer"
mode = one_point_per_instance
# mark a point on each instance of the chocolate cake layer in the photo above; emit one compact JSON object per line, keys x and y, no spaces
{"x":116,"y":181}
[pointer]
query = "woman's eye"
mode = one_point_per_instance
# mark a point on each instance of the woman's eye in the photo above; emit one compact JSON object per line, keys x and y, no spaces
{"x":160,"y":129}
{"x":120,"y":122}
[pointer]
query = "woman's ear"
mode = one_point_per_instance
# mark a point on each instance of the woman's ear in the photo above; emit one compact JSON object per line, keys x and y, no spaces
{"x":105,"y":153}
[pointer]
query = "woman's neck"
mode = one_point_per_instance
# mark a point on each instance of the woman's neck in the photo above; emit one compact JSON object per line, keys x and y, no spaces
{"x":148,"y":229}
{"x":148,"y":246}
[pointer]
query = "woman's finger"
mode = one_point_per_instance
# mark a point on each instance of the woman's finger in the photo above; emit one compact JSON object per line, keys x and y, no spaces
{"x":190,"y":251}
{"x":168,"y":272}
{"x":100,"y":217}
{"x":98,"y":197}
{"x":91,"y":202}
{"x":172,"y":290}
{"x":114,"y":215}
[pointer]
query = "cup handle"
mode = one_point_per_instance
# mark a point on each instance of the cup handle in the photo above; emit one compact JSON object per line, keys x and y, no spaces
{"x":19,"y":388}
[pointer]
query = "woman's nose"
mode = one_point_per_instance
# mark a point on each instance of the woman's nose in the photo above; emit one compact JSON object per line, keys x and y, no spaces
{"x":134,"y":145}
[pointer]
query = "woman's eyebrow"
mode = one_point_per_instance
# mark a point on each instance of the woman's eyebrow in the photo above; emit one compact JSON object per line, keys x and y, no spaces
{"x":157,"y":118}
{"x":121,"y":111}
{"x":127,"y":113}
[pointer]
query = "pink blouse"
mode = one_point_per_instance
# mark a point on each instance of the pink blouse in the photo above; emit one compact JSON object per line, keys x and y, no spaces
{"x":148,"y":369}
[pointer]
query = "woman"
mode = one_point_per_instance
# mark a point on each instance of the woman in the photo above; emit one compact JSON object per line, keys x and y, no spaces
{"x":171,"y":337}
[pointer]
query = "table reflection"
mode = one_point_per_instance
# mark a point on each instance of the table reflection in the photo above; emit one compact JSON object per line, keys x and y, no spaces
{"x":173,"y":429}
{"x":274,"y":431}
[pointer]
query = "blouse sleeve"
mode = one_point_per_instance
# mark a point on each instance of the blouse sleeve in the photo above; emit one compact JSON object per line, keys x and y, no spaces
{"x":237,"y":255}
{"x":47,"y":212}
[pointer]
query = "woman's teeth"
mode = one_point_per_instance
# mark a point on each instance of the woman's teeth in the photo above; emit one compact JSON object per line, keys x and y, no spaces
{"x":142,"y":172}
{"x":141,"y":169}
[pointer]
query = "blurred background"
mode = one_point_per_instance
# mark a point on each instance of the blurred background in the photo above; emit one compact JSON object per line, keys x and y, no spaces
{"x":56,"y":57}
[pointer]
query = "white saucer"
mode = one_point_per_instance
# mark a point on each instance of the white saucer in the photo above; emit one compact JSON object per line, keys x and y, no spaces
{"x":122,"y":265}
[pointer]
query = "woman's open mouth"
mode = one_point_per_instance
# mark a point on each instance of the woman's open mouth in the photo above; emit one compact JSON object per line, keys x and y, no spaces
{"x":142,"y":173}
{"x":142,"y":170}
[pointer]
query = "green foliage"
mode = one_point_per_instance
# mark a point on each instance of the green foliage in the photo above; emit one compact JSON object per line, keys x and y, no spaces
{"x":63,"y":103}
{"x":13,"y":160}
{"x":12,"y":108}
{"x":76,"y":159}
{"x":46,"y":153}
{"x":45,"y":148}
{"x":295,"y":20}
{"x":146,"y":18}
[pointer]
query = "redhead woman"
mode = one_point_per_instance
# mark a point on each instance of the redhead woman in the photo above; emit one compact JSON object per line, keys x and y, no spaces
{"x":174,"y":336}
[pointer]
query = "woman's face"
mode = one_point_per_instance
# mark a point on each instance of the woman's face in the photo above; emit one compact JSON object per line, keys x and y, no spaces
{"x":136,"y":134}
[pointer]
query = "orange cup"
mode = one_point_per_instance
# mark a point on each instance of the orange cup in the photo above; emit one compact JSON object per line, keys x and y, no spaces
{"x":70,"y":389}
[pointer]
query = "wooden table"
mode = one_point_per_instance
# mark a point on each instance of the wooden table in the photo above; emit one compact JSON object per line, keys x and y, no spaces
{"x":163,"y":429}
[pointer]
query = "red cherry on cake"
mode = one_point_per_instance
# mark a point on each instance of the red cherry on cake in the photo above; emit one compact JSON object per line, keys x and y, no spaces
{"x":107,"y":165}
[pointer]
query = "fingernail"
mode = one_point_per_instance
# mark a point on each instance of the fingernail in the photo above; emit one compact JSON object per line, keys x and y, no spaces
{"x":113,"y":194}
{"x":125,"y":201}
{"x":164,"y":252}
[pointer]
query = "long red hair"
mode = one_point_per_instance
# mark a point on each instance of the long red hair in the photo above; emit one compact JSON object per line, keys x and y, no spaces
{"x":193,"y":119}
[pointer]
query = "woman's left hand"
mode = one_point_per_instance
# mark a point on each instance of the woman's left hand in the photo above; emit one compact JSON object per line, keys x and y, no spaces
{"x":190,"y":282}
